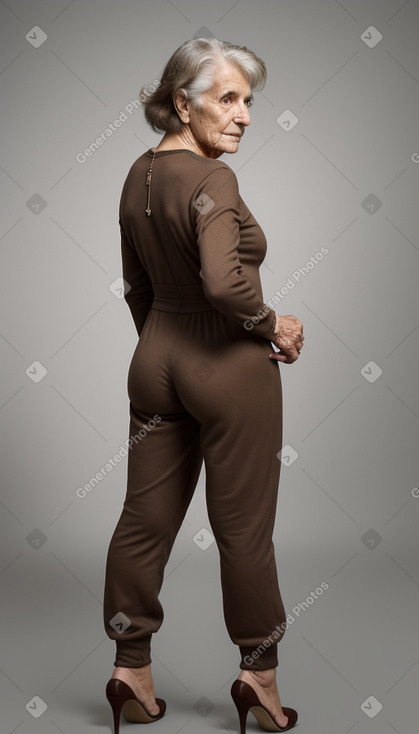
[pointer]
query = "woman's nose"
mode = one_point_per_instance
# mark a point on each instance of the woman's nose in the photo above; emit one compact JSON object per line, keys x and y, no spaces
{"x":242,"y":115}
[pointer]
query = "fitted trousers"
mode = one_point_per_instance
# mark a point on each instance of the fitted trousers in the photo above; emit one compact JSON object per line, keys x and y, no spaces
{"x":201,"y":389}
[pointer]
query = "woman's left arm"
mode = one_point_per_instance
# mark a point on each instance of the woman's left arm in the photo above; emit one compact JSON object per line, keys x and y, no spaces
{"x":139,"y":296}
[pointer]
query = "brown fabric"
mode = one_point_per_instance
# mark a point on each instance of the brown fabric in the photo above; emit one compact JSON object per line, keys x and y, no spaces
{"x":201,"y":389}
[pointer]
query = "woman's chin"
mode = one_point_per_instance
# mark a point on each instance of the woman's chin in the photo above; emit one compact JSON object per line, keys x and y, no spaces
{"x":229,"y":146}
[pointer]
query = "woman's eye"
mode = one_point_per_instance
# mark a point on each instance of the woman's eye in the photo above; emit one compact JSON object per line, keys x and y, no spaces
{"x":227,"y":100}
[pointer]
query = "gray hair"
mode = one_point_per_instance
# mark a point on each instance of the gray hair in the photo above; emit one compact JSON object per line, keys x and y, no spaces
{"x":191,"y":70}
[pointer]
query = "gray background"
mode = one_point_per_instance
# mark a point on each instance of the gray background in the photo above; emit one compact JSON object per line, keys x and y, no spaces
{"x":345,"y":178}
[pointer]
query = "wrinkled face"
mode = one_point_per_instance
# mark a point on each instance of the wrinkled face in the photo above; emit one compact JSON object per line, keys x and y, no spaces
{"x":220,"y":123}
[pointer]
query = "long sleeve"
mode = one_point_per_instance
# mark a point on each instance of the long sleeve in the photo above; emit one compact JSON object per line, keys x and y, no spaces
{"x":217,"y":223}
{"x":140,"y":295}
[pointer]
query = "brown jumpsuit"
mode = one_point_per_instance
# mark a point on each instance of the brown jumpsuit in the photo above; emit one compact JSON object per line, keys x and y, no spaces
{"x":201,"y":388}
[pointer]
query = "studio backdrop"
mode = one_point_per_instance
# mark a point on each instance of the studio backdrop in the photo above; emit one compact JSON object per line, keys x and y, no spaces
{"x":329,"y":167}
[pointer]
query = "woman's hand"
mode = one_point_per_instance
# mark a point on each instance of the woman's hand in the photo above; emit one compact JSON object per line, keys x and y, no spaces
{"x":288,"y":337}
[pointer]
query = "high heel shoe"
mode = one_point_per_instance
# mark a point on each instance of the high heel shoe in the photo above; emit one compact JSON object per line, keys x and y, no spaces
{"x":246,"y":698}
{"x":122,"y":698}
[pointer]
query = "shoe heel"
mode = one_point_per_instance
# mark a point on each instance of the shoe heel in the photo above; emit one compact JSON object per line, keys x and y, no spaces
{"x":118,"y":693}
{"x":242,"y":709}
{"x":116,"y":703}
{"x":245,"y":697}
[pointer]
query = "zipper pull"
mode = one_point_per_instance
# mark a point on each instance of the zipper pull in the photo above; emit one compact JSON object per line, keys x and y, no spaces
{"x":148,"y":184}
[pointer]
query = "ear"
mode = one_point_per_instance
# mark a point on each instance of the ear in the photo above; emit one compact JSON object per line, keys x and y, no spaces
{"x":182,"y":106}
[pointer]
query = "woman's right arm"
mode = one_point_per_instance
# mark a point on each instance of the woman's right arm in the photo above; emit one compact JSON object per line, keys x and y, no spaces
{"x":288,"y":337}
{"x":217,"y":224}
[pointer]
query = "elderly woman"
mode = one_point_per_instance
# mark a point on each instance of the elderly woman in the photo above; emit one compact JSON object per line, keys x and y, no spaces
{"x":204,"y":384}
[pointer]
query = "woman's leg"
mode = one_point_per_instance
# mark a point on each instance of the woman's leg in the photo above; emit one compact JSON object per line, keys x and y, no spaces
{"x":240,"y":442}
{"x":239,"y":406}
{"x":242,"y":476}
{"x":163,"y":469}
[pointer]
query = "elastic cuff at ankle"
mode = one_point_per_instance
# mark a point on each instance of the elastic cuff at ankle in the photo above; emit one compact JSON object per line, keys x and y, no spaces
{"x":259,"y":658}
{"x":133,"y":653}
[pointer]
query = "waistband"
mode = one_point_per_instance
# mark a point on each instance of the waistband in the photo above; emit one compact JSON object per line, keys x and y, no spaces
{"x":180,"y":298}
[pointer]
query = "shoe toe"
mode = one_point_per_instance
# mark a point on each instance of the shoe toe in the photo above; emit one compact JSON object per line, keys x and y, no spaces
{"x":292,"y":717}
{"x":162,"y":705}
